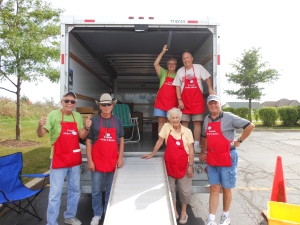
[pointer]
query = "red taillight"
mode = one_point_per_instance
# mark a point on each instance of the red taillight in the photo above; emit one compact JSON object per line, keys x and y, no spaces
{"x":141,"y":17}
{"x":62,"y":58}
{"x":193,"y":21}
{"x":219,"y":60}
{"x":89,"y":21}
{"x":131,"y":17}
{"x":151,"y":18}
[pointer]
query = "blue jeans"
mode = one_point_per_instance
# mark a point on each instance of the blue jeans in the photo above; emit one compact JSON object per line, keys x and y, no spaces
{"x":57,"y":177}
{"x":97,"y":180}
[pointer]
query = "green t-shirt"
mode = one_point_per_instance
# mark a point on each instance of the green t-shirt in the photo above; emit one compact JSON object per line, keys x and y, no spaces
{"x":53,"y":125}
{"x":162,"y":76}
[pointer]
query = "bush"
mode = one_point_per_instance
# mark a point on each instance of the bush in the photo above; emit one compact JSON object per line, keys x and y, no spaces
{"x":229,"y":109}
{"x":243,"y":112}
{"x":268,"y":116}
{"x":255,"y":114}
{"x":298,"y":111}
{"x":288,"y":115}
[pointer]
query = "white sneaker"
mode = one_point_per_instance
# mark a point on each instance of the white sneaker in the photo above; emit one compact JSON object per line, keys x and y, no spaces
{"x":95,"y":220}
{"x":211,"y":222}
{"x":225,"y":220}
{"x":197,"y":148}
{"x":73,"y":221}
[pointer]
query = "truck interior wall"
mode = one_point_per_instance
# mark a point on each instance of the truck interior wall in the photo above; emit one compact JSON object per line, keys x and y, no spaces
{"x":204,"y":53}
{"x":84,"y":82}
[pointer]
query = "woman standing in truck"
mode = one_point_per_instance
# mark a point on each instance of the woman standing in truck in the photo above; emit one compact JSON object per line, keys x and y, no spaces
{"x":179,"y":159}
{"x":104,"y":149}
{"x":166,"y":96}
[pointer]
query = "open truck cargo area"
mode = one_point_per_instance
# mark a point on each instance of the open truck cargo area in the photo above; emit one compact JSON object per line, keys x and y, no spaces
{"x":116,"y":55}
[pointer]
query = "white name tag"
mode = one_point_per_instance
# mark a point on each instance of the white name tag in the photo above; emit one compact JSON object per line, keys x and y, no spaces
{"x":77,"y":150}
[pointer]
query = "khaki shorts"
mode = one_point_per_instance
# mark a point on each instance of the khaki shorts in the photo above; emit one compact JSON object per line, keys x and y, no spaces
{"x":195,"y":117}
{"x":184,"y":187}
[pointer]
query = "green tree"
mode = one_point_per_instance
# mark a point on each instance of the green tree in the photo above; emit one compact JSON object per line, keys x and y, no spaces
{"x":249,"y":74}
{"x":29,"y":32}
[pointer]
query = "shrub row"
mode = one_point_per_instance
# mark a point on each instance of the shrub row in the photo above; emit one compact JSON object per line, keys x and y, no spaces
{"x":289,"y":115}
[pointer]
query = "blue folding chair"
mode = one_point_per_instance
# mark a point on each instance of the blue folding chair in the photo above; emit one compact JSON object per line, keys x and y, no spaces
{"x":122,"y":111}
{"x":13,"y":194}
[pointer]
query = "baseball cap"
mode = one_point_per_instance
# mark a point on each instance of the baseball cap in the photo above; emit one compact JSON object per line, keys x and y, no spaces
{"x":213,"y":98}
{"x":70,"y":93}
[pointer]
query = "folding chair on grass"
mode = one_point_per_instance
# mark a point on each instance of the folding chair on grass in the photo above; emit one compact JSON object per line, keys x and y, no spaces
{"x":122,"y":111}
{"x":13,"y":194}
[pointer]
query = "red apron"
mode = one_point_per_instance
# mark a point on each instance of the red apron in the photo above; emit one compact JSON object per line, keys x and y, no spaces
{"x":67,"y":152}
{"x":105,"y":150}
{"x":192,"y":97}
{"x":176,"y":158}
{"x":166,"y":98}
{"x":218,"y":147}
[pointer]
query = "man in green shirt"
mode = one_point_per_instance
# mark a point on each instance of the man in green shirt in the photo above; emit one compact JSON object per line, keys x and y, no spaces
{"x":65,"y":128}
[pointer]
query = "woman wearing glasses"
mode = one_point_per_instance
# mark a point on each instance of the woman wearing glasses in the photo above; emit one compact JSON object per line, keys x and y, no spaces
{"x":104,"y":149}
{"x":166,"y":97}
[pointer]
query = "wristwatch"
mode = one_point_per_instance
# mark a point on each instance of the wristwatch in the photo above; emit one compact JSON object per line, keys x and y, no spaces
{"x":239,"y":140}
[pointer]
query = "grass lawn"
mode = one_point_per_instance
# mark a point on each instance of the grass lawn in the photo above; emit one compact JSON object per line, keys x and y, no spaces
{"x":35,"y":159}
{"x":278,"y":125}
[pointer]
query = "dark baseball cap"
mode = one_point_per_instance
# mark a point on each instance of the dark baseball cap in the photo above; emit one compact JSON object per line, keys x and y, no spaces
{"x":70,"y":93}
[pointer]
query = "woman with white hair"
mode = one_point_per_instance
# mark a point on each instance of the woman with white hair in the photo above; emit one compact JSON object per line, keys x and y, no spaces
{"x":179,"y":159}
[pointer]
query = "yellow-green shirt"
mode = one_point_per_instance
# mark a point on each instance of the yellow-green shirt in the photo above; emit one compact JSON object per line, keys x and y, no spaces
{"x":53,"y":124}
{"x":163,"y":75}
{"x":187,"y":135}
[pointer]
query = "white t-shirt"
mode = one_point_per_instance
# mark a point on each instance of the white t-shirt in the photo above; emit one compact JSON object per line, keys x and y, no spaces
{"x":200,"y":72}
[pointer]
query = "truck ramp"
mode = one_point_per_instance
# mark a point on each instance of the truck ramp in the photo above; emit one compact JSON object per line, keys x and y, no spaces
{"x":140,"y":194}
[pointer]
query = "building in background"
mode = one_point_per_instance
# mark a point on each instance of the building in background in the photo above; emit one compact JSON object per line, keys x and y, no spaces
{"x":281,"y":102}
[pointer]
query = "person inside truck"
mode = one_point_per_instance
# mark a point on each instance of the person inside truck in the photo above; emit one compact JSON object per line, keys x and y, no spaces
{"x":179,"y":159}
{"x":104,"y":149}
{"x":219,"y":150}
{"x":166,"y":96}
{"x":65,"y":128}
{"x":189,"y":90}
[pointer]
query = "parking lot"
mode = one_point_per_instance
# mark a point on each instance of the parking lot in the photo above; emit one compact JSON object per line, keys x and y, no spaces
{"x":257,"y":159}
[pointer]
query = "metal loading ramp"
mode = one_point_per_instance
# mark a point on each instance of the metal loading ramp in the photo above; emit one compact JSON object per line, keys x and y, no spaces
{"x":140,"y":194}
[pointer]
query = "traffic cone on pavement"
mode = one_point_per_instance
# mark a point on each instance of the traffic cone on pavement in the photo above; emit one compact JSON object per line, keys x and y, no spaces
{"x":278,"y":190}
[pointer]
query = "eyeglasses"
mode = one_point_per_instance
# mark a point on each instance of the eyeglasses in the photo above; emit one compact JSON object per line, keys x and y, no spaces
{"x":68,"y":100}
{"x":107,"y":104}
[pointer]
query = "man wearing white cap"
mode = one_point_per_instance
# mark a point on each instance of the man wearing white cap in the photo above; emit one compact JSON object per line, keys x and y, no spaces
{"x":104,"y":149}
{"x":219,"y":150}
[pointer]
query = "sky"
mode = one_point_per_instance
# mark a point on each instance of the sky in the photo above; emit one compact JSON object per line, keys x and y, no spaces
{"x":272,"y":25}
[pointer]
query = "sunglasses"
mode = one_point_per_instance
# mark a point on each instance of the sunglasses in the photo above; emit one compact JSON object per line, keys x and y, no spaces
{"x":68,"y":100}
{"x":107,"y":104}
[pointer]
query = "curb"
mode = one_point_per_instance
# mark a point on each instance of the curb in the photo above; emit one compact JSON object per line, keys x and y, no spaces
{"x":277,"y":130}
{"x":36,"y":181}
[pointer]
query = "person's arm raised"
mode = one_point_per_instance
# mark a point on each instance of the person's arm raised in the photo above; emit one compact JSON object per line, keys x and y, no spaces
{"x":158,"y":59}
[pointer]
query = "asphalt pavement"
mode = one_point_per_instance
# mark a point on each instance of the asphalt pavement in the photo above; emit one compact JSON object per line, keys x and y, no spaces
{"x":257,"y":160}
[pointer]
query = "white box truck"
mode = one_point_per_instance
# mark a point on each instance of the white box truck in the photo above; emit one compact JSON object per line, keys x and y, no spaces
{"x":116,"y":55}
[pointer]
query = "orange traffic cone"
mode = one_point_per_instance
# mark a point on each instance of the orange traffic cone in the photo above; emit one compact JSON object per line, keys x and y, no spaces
{"x":278,"y":190}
